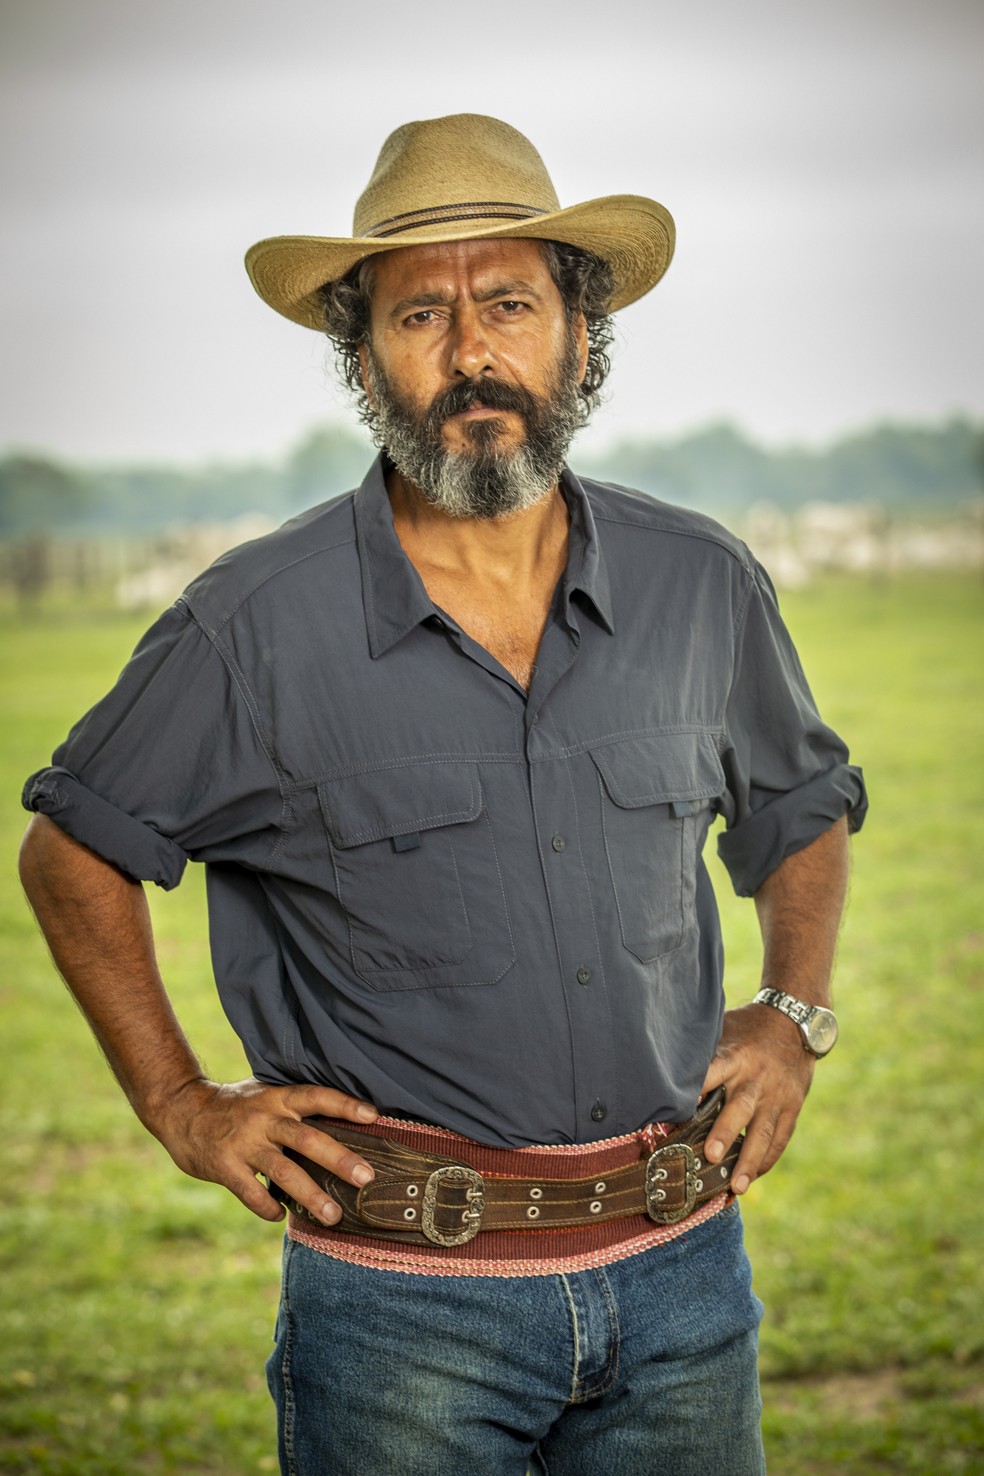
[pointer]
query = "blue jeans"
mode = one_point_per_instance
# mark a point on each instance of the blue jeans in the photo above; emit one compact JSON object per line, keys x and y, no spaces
{"x":645,"y":1366}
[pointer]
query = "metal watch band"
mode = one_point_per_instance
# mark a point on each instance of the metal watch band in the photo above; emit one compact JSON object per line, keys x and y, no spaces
{"x":788,"y":1004}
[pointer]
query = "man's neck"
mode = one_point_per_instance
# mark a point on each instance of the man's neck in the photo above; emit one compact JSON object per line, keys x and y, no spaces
{"x":522,"y":550}
{"x":495,"y":577}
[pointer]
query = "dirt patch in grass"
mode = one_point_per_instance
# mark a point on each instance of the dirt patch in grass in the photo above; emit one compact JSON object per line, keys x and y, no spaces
{"x":861,"y":1396}
{"x":871,"y":1395}
{"x":917,"y":1420}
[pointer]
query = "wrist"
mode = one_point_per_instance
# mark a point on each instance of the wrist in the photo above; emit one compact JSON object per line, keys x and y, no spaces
{"x":162,"y":1109}
{"x":816,"y":1023}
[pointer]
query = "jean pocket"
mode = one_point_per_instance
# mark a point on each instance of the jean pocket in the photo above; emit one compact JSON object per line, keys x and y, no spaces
{"x":417,"y":873}
{"x":657,"y":796}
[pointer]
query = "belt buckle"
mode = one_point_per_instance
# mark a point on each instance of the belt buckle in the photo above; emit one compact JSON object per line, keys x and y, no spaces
{"x":471,"y":1216}
{"x":657,"y":1173}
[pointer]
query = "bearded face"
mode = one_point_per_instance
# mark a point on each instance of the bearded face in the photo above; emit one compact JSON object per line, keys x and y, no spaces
{"x":493,"y":474}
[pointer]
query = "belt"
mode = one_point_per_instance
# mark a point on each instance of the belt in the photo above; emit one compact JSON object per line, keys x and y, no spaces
{"x":418,"y":1196}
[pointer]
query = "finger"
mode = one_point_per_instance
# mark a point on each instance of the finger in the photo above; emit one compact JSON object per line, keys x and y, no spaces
{"x":759,"y":1136}
{"x":236,"y":1171}
{"x":325,"y":1150}
{"x":717,"y":1074}
{"x":296,"y":1184}
{"x":738,"y":1111}
{"x":767,"y":1145}
{"x":318,"y":1101}
{"x":254,"y":1195}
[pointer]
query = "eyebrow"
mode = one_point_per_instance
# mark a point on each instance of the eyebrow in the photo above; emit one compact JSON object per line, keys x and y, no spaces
{"x":442,"y":299}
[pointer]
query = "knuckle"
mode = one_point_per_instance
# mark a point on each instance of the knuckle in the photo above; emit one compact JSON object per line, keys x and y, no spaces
{"x":781,"y":1142}
{"x":275,"y":1166}
{"x":250,"y":1190}
{"x":746,"y":1092}
{"x":344,"y":1164}
{"x":313,"y":1143}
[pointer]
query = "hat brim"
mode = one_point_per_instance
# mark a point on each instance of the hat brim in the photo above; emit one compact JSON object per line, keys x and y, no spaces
{"x":634,"y":235}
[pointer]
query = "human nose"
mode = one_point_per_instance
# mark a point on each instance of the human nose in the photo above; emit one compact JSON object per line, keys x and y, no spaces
{"x":471,"y":352}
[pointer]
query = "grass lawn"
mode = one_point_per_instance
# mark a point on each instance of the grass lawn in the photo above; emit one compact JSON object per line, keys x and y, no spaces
{"x":138,"y":1305}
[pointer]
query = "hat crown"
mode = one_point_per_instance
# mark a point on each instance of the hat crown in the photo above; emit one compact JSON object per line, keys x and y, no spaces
{"x":465,"y":159}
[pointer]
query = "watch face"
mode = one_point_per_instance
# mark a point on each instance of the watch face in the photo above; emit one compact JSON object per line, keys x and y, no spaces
{"x":821,"y":1032}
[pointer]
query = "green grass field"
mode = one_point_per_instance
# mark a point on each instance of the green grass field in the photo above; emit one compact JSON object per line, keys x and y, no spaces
{"x":138,"y":1305}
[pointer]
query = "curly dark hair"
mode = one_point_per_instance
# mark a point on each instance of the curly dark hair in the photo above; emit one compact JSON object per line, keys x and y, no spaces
{"x":585,"y":282}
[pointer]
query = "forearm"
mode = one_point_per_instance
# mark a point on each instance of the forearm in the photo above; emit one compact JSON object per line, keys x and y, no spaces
{"x":760,"y":1059}
{"x":97,"y":925}
{"x":799,"y":911}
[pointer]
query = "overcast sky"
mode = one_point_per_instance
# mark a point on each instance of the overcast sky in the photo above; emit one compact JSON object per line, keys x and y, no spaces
{"x":823,"y":161}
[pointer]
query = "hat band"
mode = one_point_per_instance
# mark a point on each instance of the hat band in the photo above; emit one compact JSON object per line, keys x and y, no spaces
{"x":446,"y":214}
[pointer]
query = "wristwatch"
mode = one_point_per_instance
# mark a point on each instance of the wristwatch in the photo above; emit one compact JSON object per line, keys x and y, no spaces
{"x":818,"y":1026}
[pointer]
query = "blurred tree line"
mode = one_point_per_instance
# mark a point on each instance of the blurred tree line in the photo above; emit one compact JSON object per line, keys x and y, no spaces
{"x":898,"y":467}
{"x":39,"y":494}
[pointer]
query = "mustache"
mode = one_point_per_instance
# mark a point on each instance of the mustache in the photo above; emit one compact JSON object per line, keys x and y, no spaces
{"x":491,"y":394}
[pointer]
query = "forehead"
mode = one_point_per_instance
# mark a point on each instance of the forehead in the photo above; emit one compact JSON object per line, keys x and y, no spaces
{"x":453,"y":266}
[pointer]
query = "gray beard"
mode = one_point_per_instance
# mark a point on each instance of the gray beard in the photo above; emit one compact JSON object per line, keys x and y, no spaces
{"x":489,"y":481}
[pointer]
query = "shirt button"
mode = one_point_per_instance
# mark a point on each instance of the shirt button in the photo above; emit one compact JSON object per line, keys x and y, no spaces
{"x":559,"y":843}
{"x":599,"y":1112}
{"x":584,"y":976}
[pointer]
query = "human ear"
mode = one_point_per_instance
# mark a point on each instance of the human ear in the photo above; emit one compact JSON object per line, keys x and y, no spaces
{"x":579,"y":328}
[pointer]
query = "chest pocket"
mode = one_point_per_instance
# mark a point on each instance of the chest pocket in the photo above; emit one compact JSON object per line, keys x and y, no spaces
{"x":418,"y":876}
{"x":657,"y":796}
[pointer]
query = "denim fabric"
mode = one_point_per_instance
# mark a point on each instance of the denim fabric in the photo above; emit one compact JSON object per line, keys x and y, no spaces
{"x":647,"y":1365}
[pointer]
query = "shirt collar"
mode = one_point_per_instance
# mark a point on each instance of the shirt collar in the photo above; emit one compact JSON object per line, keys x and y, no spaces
{"x":393,"y":594}
{"x":586,"y":569}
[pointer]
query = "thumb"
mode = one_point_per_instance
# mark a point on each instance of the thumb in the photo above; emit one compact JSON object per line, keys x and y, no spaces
{"x":717,"y":1072}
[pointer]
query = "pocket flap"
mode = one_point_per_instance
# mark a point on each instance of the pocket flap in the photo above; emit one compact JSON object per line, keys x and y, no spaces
{"x":399,"y":802}
{"x":682,"y":769}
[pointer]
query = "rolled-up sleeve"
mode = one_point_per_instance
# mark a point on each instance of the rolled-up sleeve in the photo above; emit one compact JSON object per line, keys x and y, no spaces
{"x":170,"y":765}
{"x":788,"y":773}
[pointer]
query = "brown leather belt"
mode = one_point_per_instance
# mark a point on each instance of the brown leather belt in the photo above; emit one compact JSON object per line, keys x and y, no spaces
{"x":429,"y":1196}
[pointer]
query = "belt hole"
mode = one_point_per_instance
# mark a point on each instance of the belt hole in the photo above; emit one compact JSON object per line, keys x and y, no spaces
{"x":412,"y":1191}
{"x":410,"y":1213}
{"x":699,"y":1185}
{"x":660,"y":1174}
{"x":723,"y":1172}
{"x":600,"y":1187}
{"x":533,"y":1213}
{"x":595,"y":1206}
{"x":698,"y":1164}
{"x":536,"y":1193}
{"x":660,"y":1194}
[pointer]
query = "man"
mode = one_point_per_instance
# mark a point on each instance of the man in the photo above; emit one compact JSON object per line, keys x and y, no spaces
{"x":450,"y":747}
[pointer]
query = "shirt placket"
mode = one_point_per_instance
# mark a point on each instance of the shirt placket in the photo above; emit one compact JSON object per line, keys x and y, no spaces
{"x":567,"y":871}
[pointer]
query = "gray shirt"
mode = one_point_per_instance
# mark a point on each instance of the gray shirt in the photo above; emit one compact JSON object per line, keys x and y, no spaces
{"x":474,"y":906}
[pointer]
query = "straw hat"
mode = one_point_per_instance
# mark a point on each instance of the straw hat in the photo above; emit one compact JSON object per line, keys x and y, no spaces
{"x":462,"y":178}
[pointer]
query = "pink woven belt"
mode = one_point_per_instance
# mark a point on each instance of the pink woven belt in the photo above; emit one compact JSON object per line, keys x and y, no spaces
{"x":440,"y":1197}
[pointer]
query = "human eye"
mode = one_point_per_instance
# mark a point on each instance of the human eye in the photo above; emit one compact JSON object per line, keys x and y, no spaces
{"x":420,"y":319}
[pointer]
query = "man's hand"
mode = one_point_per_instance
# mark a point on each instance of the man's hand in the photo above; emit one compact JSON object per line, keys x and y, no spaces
{"x":228,"y":1134}
{"x":766,"y":1075}
{"x":760,"y":1059}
